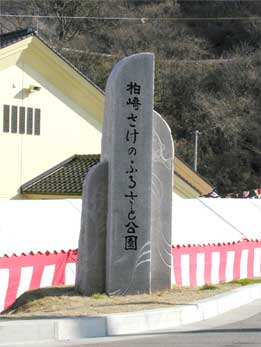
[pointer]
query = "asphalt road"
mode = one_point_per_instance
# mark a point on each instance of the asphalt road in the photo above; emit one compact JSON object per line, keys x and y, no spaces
{"x":240,"y":328}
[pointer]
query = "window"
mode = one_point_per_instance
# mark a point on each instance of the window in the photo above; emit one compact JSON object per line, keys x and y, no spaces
{"x":14,"y":119}
{"x":29,"y":126}
{"x":21,"y":120}
{"x":6,"y":125}
{"x":37,"y":121}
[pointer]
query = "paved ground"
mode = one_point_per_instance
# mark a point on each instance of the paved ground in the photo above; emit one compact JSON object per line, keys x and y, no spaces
{"x":240,"y":327}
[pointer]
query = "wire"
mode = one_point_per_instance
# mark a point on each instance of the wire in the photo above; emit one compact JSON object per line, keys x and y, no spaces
{"x":142,"y":19}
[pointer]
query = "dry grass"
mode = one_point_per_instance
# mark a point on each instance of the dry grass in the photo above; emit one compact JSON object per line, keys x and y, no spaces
{"x":65,"y":301}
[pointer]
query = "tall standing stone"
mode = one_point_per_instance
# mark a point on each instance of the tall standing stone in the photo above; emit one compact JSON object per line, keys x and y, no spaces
{"x":125,"y":239}
{"x":161,"y":207}
{"x":127,"y":146}
{"x":90,"y":269}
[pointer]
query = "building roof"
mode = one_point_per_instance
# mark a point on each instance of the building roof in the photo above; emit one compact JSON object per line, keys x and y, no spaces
{"x":10,"y":38}
{"x":13,"y":37}
{"x":65,"y":178}
{"x":192,"y":178}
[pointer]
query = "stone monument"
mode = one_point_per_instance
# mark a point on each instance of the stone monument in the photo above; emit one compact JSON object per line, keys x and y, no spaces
{"x":161,"y":207}
{"x":127,"y":146}
{"x":90,"y":270}
{"x":128,"y":249}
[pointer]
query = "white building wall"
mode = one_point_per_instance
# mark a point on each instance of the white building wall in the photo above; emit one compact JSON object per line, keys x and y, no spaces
{"x":65,"y":129}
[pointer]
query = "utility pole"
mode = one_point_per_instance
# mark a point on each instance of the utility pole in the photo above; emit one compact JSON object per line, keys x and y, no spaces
{"x":196,"y":151}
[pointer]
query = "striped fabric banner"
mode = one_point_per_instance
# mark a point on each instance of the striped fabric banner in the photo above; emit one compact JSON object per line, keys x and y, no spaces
{"x":192,"y":266}
{"x":211,"y":264}
{"x":21,"y":273}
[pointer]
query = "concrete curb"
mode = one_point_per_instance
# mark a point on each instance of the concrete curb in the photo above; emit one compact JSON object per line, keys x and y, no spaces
{"x":17,"y":331}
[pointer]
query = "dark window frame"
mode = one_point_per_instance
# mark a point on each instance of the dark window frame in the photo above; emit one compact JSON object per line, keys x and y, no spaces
{"x":6,"y":119}
{"x":21,"y":120}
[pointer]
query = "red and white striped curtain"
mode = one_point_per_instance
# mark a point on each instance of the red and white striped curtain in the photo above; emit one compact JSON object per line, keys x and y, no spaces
{"x":192,"y":266}
{"x":21,"y":273}
{"x":211,"y":264}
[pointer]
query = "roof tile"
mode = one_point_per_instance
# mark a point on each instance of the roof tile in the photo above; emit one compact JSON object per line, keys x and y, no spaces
{"x":64,"y":179}
{"x":14,"y":36}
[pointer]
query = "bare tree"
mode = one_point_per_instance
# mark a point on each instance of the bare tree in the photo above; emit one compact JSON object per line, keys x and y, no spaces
{"x":65,"y":12}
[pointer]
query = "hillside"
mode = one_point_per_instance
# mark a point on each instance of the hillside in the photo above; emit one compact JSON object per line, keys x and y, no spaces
{"x":208,"y":60}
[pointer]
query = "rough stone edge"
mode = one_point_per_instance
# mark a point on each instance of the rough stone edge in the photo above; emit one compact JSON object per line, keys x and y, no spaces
{"x":128,"y":323}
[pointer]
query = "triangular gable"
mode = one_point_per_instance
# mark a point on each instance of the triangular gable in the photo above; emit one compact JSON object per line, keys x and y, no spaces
{"x":27,"y":47}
